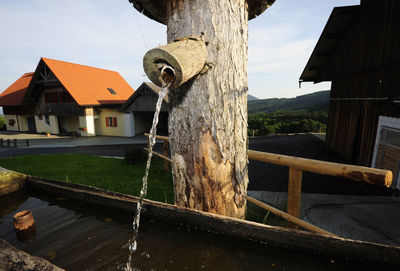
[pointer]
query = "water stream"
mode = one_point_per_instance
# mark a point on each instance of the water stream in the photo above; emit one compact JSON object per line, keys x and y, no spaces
{"x":132,"y":244}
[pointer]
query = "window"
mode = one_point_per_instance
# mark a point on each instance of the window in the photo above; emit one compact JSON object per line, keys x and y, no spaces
{"x":111,"y":122}
{"x":58,"y":97}
{"x":387,"y":147}
{"x":112,"y":91}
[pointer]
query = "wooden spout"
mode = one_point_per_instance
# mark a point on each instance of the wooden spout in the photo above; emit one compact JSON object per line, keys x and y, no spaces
{"x":185,"y":57}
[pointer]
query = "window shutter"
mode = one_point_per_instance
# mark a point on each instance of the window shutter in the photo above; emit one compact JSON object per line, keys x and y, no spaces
{"x":107,"y":122}
{"x":114,"y":120}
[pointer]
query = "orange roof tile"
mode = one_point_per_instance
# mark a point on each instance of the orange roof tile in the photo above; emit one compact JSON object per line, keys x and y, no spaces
{"x":89,"y":85}
{"x":15,"y":93}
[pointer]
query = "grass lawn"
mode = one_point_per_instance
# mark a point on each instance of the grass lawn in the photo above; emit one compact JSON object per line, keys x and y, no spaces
{"x":106,"y":173}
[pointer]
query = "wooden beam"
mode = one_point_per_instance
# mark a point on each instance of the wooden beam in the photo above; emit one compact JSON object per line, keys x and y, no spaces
{"x":373,"y":176}
{"x":160,"y":155}
{"x":294,"y":194}
{"x":290,"y":218}
{"x":356,"y":173}
{"x":165,"y":138}
{"x":165,"y":148}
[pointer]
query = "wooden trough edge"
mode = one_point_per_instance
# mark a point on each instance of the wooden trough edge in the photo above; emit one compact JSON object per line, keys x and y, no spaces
{"x":269,"y":235}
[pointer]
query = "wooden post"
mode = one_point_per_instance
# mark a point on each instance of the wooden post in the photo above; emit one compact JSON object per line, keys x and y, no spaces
{"x":294,"y":194}
{"x":1,"y":142}
{"x":27,"y":142}
{"x":8,"y":142}
{"x":208,"y":114}
{"x":165,"y":146}
{"x":15,"y":142}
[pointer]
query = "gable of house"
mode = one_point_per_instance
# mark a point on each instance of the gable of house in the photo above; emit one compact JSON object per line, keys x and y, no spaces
{"x":87,"y":85}
{"x":144,"y":99}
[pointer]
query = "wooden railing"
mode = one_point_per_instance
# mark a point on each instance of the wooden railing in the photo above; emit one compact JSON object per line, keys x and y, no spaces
{"x":9,"y":142}
{"x":296,"y":167}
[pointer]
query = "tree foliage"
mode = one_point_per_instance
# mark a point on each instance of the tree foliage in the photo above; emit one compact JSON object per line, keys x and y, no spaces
{"x":284,"y":122}
{"x":2,"y":123}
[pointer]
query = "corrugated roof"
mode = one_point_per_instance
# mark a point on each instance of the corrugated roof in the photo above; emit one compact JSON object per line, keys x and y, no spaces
{"x":331,"y":35}
{"x":15,"y":93}
{"x":89,"y":85}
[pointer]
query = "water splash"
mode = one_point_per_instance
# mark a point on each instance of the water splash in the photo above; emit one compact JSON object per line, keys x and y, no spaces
{"x":132,"y":244}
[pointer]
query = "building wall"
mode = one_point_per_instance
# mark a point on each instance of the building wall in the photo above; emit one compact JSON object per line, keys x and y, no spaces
{"x":143,"y":121}
{"x":129,"y":124}
{"x":11,"y":127}
{"x":364,"y":69}
{"x":69,"y":124}
{"x":100,"y":123}
{"x":23,"y":123}
{"x":43,"y":127}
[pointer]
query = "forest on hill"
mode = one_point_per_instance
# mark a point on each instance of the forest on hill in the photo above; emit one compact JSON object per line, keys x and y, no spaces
{"x":303,"y":114}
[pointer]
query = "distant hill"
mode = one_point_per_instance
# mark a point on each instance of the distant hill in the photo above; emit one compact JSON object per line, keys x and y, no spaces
{"x":317,"y":101}
{"x":251,"y":98}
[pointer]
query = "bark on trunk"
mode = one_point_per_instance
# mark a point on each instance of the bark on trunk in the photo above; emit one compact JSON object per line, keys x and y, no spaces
{"x":208,"y":116}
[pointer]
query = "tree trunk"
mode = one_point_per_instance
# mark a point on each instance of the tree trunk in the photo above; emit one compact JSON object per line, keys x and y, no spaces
{"x":208,"y":116}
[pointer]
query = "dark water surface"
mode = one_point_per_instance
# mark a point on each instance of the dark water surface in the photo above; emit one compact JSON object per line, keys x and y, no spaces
{"x":78,"y":236}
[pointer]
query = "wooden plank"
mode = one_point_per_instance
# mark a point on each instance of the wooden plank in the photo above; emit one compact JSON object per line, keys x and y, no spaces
{"x":165,"y":147}
{"x":160,"y":155}
{"x":294,"y":194}
{"x":289,"y":218}
{"x":165,"y":138}
{"x":356,"y":173}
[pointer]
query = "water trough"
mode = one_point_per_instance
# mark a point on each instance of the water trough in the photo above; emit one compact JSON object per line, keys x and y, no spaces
{"x":256,"y":238}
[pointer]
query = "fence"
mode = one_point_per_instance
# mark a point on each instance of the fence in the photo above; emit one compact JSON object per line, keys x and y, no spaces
{"x":296,"y":167}
{"x":15,"y":142}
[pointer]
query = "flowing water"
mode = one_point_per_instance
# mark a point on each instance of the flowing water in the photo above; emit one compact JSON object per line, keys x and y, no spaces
{"x":132,"y":243}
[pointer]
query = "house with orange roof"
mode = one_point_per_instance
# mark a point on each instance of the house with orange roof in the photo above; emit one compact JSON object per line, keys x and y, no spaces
{"x":67,"y":98}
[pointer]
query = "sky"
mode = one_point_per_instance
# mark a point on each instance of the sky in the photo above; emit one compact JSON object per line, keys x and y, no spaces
{"x":111,"y":34}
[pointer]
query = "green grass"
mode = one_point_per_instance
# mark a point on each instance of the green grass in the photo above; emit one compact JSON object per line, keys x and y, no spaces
{"x":106,"y":173}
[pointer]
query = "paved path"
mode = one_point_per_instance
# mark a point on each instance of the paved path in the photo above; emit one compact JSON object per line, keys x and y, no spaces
{"x":269,"y":177}
{"x":367,"y":218}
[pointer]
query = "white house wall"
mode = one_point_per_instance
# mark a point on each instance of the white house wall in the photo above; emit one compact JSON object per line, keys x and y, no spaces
{"x":43,"y":127}
{"x":7,"y":119}
{"x":129,"y":124}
